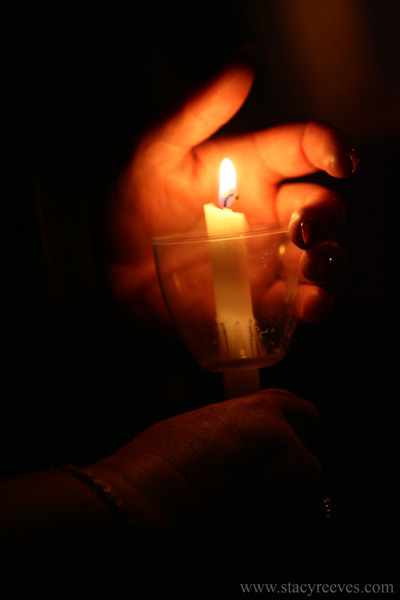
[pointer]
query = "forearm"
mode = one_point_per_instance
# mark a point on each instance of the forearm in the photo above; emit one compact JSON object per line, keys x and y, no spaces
{"x":46,"y":507}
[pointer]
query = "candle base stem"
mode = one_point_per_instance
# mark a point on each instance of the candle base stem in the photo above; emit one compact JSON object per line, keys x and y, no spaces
{"x":240,"y":382}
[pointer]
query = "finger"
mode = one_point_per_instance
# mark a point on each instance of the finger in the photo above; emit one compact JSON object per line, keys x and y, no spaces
{"x":295,"y":150}
{"x":301,"y":415}
{"x":315,"y":214}
{"x":312,"y":303}
{"x":200,"y":117}
{"x":260,"y":406}
{"x":324,"y":263}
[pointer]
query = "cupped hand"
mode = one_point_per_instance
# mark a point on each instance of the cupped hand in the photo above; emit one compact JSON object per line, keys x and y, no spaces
{"x":227,"y":464}
{"x":174,"y":172}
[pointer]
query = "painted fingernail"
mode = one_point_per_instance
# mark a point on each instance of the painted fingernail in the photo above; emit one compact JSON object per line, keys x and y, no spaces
{"x":328,"y":265}
{"x":311,"y":231}
{"x":354,"y":160}
{"x":324,"y":264}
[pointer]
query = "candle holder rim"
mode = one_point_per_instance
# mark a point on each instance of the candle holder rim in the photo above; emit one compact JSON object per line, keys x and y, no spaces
{"x":188,"y":238}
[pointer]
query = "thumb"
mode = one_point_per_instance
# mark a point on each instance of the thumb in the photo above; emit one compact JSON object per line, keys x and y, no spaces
{"x":203,"y":114}
{"x":299,"y":413}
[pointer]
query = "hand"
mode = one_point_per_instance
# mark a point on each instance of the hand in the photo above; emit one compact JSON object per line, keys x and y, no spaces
{"x":174,"y":172}
{"x":234,"y":462}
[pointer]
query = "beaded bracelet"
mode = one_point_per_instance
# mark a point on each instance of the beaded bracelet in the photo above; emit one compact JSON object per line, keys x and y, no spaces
{"x":102,"y":490}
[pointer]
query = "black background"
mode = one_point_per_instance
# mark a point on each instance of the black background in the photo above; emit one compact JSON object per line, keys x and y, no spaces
{"x":80,"y":85}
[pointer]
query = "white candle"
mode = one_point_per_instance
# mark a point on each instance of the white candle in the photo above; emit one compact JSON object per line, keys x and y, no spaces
{"x":234,"y":310}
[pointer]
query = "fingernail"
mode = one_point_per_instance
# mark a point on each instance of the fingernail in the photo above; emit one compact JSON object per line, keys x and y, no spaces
{"x":354,"y":160}
{"x":327,"y":265}
{"x":324,"y":265}
{"x":311,"y":231}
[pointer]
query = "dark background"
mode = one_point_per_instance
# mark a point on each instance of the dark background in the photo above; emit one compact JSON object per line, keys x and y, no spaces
{"x":80,"y":86}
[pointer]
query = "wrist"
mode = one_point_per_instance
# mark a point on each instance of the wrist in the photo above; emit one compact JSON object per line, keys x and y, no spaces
{"x":51,"y":507}
{"x":154,"y":498}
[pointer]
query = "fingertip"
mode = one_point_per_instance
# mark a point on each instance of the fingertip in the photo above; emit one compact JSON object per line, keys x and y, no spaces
{"x":306,"y":230}
{"x":285,"y":401}
{"x":342,"y":164}
{"x":324,"y":263}
{"x":341,"y":160}
{"x":299,"y":413}
{"x":238,"y":77}
{"x":319,"y":220}
{"x":330,"y":149}
{"x":313,"y":303}
{"x":202,"y":115}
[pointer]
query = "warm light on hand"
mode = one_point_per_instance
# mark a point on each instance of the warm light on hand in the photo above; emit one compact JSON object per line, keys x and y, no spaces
{"x":172,"y":176}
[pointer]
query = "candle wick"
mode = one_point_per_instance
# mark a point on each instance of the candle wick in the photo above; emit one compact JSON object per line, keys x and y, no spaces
{"x":234,"y":197}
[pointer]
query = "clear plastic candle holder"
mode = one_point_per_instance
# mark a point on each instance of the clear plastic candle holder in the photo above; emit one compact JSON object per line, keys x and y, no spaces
{"x":231,"y":297}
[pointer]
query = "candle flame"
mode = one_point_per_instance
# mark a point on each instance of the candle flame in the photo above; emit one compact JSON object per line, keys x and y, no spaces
{"x":227,"y":184}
